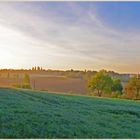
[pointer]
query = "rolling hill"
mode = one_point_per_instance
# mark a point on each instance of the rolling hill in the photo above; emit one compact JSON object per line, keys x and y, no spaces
{"x":38,"y":114}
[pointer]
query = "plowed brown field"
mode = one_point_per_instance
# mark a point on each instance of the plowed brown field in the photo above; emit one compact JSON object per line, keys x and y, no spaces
{"x":52,"y":84}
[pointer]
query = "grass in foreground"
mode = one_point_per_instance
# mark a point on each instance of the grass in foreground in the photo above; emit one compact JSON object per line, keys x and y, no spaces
{"x":29,"y":114}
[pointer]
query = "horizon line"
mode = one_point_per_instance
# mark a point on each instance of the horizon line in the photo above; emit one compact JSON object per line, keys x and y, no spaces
{"x":108,"y":70}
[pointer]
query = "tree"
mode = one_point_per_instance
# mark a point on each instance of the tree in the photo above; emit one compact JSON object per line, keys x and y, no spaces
{"x":26,"y":81}
{"x":101,"y":82}
{"x":117,"y":86}
{"x":132,"y":88}
{"x":38,"y":68}
{"x":35,"y":68}
{"x":26,"y":78}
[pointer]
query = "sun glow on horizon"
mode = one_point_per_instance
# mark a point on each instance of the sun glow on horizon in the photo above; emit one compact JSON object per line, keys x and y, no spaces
{"x":71,"y":36}
{"x":13,"y":45}
{"x":8,"y":43}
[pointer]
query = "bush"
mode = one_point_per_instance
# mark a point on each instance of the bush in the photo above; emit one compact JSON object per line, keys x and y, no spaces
{"x":116,"y":94}
{"x":26,"y":85}
{"x":16,"y":85}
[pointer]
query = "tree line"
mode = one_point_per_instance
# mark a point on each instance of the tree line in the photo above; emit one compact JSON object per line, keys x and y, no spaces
{"x":102,"y":84}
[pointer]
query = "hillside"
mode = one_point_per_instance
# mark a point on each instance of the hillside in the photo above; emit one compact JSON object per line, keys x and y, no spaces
{"x":34,"y":114}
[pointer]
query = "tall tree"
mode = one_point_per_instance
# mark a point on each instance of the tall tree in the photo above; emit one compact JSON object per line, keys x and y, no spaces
{"x":132,"y":88}
{"x":26,"y":81}
{"x":117,"y":86}
{"x":38,"y":68}
{"x":101,"y":82}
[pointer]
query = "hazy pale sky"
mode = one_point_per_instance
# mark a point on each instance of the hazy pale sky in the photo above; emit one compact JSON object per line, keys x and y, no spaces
{"x":65,"y":35}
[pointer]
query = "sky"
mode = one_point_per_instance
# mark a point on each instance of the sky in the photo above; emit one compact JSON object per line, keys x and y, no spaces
{"x":70,"y":35}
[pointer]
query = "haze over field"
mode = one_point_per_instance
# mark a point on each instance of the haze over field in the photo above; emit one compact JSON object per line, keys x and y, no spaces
{"x":64,"y":35}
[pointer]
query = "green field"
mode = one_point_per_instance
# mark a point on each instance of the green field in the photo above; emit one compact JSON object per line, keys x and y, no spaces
{"x":34,"y":114}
